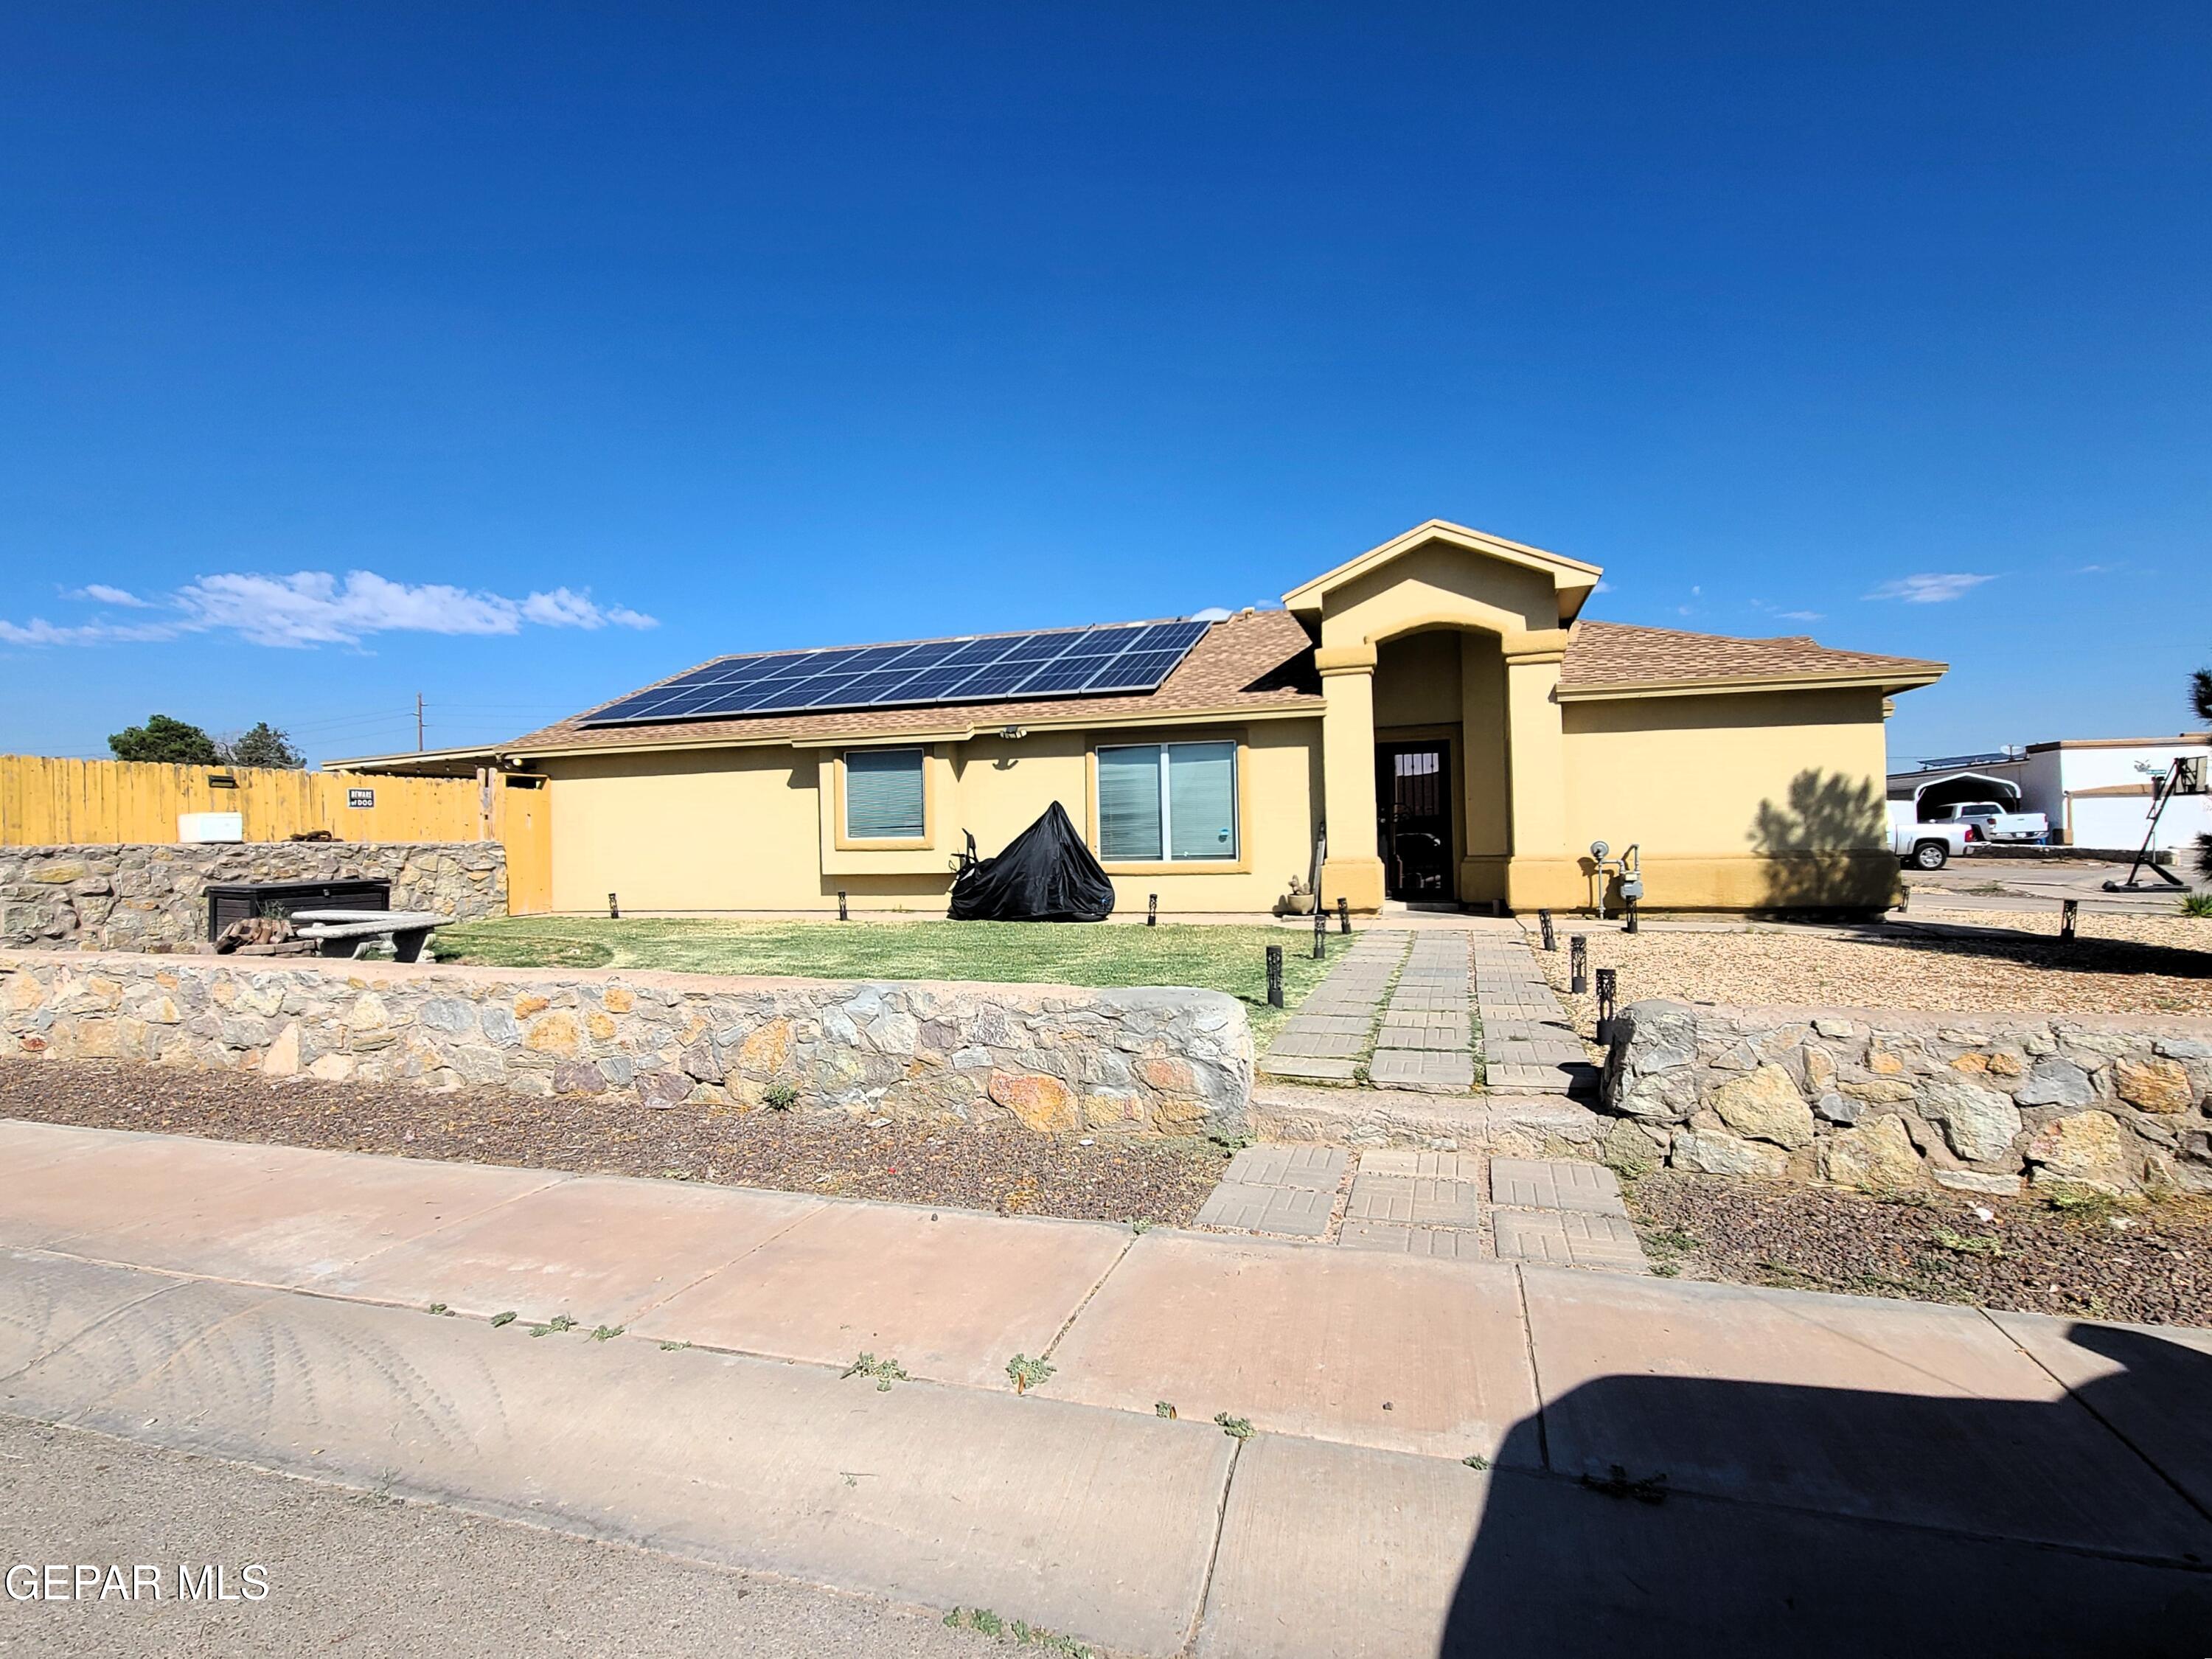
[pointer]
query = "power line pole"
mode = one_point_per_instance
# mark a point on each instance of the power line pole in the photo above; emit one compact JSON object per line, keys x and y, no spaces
{"x":418,"y":722}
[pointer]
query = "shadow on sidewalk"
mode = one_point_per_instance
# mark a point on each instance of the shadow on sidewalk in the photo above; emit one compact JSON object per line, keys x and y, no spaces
{"x":1859,"y":1523}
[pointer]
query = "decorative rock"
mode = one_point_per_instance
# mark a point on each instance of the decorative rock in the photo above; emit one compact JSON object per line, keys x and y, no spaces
{"x":1837,"y":1110}
{"x":1980,"y":1124}
{"x":2055,"y":1081}
{"x":2089,"y":1149}
{"x":1978,"y":1181}
{"x":1041,"y":1101}
{"x":2158,"y":1084}
{"x":1714,"y":1151}
{"x":1877,"y":1156}
{"x":1626,"y":1148}
{"x":1765,"y":1105}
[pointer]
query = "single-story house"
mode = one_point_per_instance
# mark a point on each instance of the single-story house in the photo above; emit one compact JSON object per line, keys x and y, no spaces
{"x":2095,"y":791}
{"x":1436,"y":708}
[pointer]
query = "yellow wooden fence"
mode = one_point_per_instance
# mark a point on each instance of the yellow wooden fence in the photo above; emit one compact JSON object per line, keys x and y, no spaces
{"x":50,"y":802}
{"x":47,"y":802}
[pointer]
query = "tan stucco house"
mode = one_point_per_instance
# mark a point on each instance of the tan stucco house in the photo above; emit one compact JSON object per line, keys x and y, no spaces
{"x":1437,"y":706}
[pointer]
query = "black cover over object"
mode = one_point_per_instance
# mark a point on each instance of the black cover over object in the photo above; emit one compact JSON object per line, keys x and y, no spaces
{"x":1046,"y":874}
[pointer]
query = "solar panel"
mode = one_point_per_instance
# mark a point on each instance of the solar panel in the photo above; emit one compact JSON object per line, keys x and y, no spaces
{"x":1052,"y":662}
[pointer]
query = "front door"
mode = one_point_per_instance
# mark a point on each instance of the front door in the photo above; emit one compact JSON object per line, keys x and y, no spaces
{"x":1412,"y":794}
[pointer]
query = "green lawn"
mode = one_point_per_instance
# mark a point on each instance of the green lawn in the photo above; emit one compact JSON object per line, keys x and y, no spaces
{"x":1231,"y":959}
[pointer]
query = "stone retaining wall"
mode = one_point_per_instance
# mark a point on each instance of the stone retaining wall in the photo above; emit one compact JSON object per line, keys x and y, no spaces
{"x":1048,"y":1056}
{"x":1878,"y":1098}
{"x":126,"y":898}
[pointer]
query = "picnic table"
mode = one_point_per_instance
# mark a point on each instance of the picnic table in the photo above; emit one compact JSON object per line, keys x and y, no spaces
{"x":349,"y":933}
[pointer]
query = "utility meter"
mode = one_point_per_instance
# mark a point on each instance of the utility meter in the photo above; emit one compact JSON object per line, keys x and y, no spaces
{"x":1600,"y":851}
{"x":1631,"y":888}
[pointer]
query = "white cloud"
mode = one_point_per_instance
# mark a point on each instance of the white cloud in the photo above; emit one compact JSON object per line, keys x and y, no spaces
{"x":563,"y":609}
{"x":39,"y":631}
{"x":1800,"y":616}
{"x":313,"y":607}
{"x":102,"y":594}
{"x":1929,"y":588}
{"x":1603,"y":587}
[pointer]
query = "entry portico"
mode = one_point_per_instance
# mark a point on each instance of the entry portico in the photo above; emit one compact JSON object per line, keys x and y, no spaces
{"x":1505,"y":609}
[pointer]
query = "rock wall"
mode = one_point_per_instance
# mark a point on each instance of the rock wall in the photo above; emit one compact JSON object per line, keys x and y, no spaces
{"x":1880,"y":1099}
{"x":126,"y":898}
{"x":1050,"y":1057}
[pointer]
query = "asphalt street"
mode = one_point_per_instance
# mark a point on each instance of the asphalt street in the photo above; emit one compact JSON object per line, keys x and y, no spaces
{"x":351,"y":1573}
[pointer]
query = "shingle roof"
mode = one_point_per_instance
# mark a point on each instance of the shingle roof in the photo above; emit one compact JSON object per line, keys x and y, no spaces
{"x":1257,"y":660}
{"x":1602,"y":654}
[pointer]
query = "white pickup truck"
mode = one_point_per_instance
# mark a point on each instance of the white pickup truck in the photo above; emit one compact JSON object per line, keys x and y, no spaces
{"x":1929,"y":846}
{"x":1993,"y":821}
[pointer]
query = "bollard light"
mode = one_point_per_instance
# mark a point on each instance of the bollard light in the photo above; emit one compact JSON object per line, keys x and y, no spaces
{"x":1606,"y":983}
{"x":1343,"y":913}
{"x":843,"y":914}
{"x":1550,"y":939}
{"x":1320,"y":932}
{"x":1274,"y":975}
{"x":614,"y":907}
{"x":2071,"y":908}
{"x":1152,"y":910}
{"x":1577,"y":964}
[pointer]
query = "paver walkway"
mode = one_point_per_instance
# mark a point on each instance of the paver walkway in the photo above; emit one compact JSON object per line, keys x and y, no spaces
{"x":1435,"y":1011}
{"x":1564,"y":1212}
{"x":1446,"y":1457}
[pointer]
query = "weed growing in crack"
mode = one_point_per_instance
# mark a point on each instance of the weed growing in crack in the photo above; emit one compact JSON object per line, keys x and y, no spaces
{"x":499,"y":1319}
{"x":1237,"y":1428}
{"x":1164,"y":1408}
{"x":1027,"y":1373}
{"x":554,"y":1326}
{"x":884,"y":1372}
{"x":607,"y":1332}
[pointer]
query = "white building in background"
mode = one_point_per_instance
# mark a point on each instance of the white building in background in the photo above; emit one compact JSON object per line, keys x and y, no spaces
{"x":2096,"y":792}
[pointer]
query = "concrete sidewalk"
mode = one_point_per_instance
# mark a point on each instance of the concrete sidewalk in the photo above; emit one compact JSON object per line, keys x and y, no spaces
{"x":1672,"y":1468}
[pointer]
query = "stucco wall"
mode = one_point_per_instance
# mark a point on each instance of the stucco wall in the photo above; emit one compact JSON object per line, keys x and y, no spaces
{"x":1745,"y":800}
{"x":1144,"y":1060}
{"x":1878,"y":1098}
{"x":125,"y":898}
{"x":756,"y":828}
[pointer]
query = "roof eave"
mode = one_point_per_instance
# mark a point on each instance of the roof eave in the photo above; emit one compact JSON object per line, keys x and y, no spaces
{"x":1306,"y":708}
{"x":1888,"y":684}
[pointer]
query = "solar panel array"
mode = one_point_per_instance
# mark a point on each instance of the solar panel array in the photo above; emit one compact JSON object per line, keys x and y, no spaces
{"x":1061,"y":662}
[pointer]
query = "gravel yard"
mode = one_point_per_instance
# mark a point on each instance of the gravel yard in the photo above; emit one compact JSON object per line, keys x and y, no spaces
{"x":2009,"y":962}
{"x":2148,"y":1262}
{"x":1012,"y":1170}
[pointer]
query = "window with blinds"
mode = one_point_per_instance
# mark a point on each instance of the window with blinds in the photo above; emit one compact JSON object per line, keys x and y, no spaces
{"x":884,"y":795}
{"x":1167,"y":802}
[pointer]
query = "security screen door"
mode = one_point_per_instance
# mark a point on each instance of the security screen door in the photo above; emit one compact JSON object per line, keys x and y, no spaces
{"x":1413,"y":795}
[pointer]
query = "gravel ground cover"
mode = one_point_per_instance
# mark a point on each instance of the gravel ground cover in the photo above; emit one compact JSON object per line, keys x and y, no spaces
{"x":1013,"y":1171}
{"x":2101,"y":1259}
{"x":1215,"y":958}
{"x":2012,"y":961}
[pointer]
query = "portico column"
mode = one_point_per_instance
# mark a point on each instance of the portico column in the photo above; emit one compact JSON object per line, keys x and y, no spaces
{"x":1352,"y":870}
{"x":1543,"y":871}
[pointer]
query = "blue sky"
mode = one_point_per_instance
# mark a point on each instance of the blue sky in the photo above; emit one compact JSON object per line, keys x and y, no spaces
{"x":660,"y":331}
